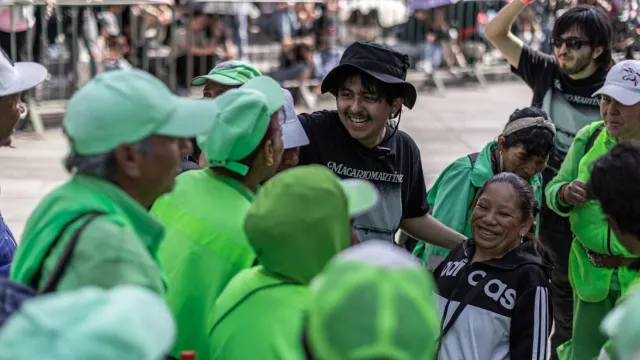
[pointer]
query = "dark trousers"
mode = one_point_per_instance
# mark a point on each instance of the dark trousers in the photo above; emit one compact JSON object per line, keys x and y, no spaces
{"x":555,"y":234}
{"x":562,"y":301}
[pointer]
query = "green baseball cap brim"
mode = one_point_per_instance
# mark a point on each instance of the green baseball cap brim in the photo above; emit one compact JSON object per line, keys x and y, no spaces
{"x":217,"y":78}
{"x":267,"y":86}
{"x":232,"y":73}
{"x":362,"y":196}
{"x":190,"y":118}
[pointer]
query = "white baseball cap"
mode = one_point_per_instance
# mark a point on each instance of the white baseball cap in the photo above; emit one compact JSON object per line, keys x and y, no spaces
{"x":623,"y":83}
{"x":293,"y":134}
{"x":18,"y":77}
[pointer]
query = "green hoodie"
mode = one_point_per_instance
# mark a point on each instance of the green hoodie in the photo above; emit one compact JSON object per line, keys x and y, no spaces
{"x":116,"y":248}
{"x":588,"y":224}
{"x":451,"y":197}
{"x":204,"y":248}
{"x":297,"y":222}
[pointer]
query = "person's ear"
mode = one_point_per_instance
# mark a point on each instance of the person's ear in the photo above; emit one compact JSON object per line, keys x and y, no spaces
{"x":501,"y":143}
{"x":269,"y":153}
{"x":597,"y":51}
{"x":128,"y":160}
{"x":396,"y":106}
{"x":526,"y":227}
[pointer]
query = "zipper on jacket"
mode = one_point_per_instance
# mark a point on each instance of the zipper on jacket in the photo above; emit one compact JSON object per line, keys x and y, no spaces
{"x":609,"y":240}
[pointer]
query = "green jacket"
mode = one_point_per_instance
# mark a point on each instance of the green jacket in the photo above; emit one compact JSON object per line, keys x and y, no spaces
{"x":588,"y":223}
{"x":117,"y":248}
{"x":452,"y":195}
{"x":204,"y":247}
{"x":260,"y":313}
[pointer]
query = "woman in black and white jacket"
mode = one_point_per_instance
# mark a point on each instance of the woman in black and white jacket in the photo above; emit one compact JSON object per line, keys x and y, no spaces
{"x":493,"y":288}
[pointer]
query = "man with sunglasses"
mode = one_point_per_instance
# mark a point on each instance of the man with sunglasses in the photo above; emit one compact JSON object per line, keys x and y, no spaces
{"x":562,"y":85}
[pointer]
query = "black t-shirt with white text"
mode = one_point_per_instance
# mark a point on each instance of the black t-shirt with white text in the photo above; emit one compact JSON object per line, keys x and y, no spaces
{"x":397,"y":175}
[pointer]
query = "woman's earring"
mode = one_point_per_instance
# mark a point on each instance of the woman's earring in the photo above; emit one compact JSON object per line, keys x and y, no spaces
{"x":501,"y":169}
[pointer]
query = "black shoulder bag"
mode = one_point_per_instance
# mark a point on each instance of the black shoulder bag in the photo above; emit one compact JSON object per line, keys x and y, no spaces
{"x":13,"y":294}
{"x":444,"y":328}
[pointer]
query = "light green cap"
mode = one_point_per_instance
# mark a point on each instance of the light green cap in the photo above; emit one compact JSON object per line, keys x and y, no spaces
{"x":126,"y":322}
{"x":622,"y":325}
{"x":125,"y":106}
{"x":240,"y":123}
{"x":231,"y":73}
{"x":373,"y":301}
{"x":291,"y":241}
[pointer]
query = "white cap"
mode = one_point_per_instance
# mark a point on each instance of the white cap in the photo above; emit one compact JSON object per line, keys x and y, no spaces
{"x":19,"y":77}
{"x":623,"y":83}
{"x":293,"y":134}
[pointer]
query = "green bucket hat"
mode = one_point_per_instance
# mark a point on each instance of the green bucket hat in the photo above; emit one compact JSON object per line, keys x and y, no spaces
{"x":373,"y":301}
{"x":90,"y":323}
{"x":622,"y":325}
{"x":240,"y":123}
{"x":125,"y":106}
{"x":231,"y":73}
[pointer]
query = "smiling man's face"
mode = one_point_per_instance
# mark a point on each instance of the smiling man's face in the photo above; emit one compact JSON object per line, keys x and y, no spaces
{"x":363,"y":111}
{"x":11,"y":108}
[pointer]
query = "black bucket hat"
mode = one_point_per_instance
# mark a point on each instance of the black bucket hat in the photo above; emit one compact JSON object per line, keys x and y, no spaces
{"x":377,"y":60}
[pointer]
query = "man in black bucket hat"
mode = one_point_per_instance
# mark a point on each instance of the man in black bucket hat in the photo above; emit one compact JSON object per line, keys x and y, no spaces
{"x":361,"y":140}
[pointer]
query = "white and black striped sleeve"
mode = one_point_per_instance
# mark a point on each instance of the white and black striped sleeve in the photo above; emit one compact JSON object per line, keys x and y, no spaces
{"x":531,"y":325}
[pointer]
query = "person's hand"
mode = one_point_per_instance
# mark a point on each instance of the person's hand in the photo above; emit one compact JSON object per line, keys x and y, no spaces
{"x":575,"y":193}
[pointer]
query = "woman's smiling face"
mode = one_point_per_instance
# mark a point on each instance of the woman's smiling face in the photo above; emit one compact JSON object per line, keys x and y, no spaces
{"x":497,"y":222}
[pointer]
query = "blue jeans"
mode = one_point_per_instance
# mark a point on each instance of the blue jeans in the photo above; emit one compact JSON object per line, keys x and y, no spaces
{"x":433,"y":54}
{"x":7,"y":248}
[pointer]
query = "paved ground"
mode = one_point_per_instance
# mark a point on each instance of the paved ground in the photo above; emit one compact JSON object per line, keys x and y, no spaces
{"x":445,"y":128}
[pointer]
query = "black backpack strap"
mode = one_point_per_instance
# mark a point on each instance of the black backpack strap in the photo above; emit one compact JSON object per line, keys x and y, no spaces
{"x":247,"y":296}
{"x":61,"y":265}
{"x":472,"y":158}
{"x":467,"y":299}
{"x":593,"y":138}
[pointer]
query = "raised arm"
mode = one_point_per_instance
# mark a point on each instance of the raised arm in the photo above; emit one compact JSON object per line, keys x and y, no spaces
{"x":498,"y":32}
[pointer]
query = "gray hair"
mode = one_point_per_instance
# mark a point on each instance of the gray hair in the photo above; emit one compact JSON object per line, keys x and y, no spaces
{"x":102,"y":165}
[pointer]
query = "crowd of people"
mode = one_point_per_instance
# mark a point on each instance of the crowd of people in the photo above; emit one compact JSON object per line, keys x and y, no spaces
{"x":230,"y":227}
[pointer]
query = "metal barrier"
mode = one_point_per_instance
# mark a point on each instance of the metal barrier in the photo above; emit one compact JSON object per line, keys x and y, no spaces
{"x":73,"y":58}
{"x":178,"y":44}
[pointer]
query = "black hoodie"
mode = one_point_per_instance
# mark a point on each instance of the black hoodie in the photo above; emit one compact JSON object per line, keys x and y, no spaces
{"x":510,"y":317}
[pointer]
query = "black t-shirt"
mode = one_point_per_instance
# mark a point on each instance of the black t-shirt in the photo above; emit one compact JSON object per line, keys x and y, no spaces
{"x":397,"y":175}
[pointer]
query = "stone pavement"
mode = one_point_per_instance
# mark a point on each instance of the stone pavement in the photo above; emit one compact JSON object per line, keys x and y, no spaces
{"x":445,"y":128}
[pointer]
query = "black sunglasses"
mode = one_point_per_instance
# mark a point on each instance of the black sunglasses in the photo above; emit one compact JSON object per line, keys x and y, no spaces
{"x":572,"y":43}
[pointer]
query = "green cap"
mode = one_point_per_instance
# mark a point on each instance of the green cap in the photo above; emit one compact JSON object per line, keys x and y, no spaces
{"x":622,"y":325}
{"x":291,"y":241}
{"x":373,"y":301}
{"x":240,"y":123}
{"x":90,"y":323}
{"x":228,"y":73}
{"x":125,"y":106}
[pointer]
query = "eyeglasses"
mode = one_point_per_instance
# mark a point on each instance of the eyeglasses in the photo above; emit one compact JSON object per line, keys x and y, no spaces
{"x":572,"y":43}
